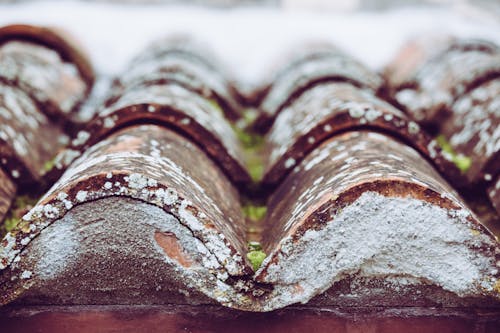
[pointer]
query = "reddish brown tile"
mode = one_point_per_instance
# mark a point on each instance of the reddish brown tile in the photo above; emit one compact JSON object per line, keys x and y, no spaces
{"x":173,"y":106}
{"x":430,"y":89}
{"x":28,"y":139}
{"x":46,"y":66}
{"x":340,"y":107}
{"x":306,"y":68}
{"x":181,"y":61}
{"x":363,"y":205}
{"x":199,"y":206}
{"x":473,"y":130}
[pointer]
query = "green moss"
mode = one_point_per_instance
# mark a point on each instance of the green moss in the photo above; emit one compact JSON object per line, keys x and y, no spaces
{"x":249,"y":140}
{"x":256,"y":258}
{"x":444,"y":144}
{"x":10,"y":223}
{"x":252,"y":143}
{"x":462,"y":162}
{"x":21,"y":205}
{"x":216,"y":106}
{"x":23,"y":201}
{"x":249,"y":116}
{"x":255,"y":168}
{"x":254,"y":213}
{"x":49,"y":165}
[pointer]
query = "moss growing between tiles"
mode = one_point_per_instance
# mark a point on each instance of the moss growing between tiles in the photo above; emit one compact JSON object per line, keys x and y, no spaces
{"x":255,"y":168}
{"x":461,"y":161}
{"x":216,"y":106}
{"x":256,"y":257}
{"x":254,"y":213}
{"x":249,"y":140}
{"x":49,"y":165}
{"x":21,"y":206}
{"x":251,"y":143}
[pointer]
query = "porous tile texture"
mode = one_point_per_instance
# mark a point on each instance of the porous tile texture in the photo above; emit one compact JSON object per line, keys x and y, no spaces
{"x":150,"y":195}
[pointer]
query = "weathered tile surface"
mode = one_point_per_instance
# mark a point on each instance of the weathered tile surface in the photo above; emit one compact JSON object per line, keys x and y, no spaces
{"x":473,"y":130}
{"x":182,"y":61}
{"x":307,"y":68}
{"x":173,"y":106}
{"x":149,"y":210}
{"x":28,"y":139}
{"x":159,"y":167}
{"x":47,"y":67}
{"x":429,"y":92}
{"x":329,"y":108}
{"x":363,"y":206}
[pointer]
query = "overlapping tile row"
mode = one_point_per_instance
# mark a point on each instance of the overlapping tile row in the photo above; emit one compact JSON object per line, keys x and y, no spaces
{"x":48,"y":66}
{"x":43,"y":78}
{"x":365,"y":219}
{"x":428,"y":90}
{"x":322,"y":109}
{"x":192,"y":244}
{"x":149,"y":212}
{"x":133,"y":222}
{"x":454,"y":90}
{"x":191,"y":251}
{"x":183,"y":61}
{"x":355,"y":211}
{"x":329,"y":108}
{"x":305,"y":67}
{"x":171,"y":85}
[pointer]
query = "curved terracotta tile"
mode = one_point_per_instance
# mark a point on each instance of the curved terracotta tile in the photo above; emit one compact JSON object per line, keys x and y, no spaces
{"x":46,"y":66}
{"x":363,"y":206}
{"x":54,"y":38}
{"x":473,"y":130}
{"x":180,"y":61}
{"x":417,"y":52}
{"x":412,"y":55}
{"x":156,"y":166}
{"x":329,"y":108}
{"x":434,"y":85}
{"x":173,"y":106}
{"x":28,"y":139}
{"x":307,"y":69}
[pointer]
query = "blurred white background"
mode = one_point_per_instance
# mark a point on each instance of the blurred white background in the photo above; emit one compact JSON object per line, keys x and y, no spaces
{"x":249,"y":36}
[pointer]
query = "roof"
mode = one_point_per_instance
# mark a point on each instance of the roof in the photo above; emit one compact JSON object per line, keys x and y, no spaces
{"x":147,"y":201}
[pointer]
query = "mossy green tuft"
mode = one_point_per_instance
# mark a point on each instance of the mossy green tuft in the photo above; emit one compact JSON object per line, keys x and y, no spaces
{"x":254,"y":213}
{"x":256,"y":258}
{"x":462,"y":162}
{"x":19,"y":207}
